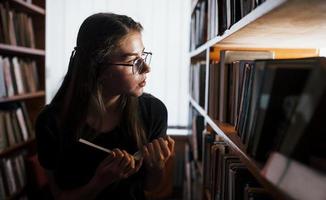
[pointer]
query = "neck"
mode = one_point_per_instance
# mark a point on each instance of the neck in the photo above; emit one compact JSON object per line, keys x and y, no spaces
{"x":112,"y":103}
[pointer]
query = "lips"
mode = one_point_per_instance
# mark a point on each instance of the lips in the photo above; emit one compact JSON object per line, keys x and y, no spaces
{"x":143,"y":83}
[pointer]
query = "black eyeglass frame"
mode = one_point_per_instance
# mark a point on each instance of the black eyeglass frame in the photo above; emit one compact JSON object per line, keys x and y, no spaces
{"x":134,"y":66}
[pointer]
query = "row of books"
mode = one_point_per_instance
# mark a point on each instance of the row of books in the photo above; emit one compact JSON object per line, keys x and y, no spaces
{"x":12,"y":175}
{"x":197,"y":79}
{"x":17,"y":76}
{"x":222,"y":14}
{"x":267,"y":100}
{"x":282,"y":109}
{"x":211,"y":18}
{"x":16,"y":28}
{"x":226,"y":82}
{"x":192,"y":182}
{"x":198,"y":25}
{"x":193,"y":157}
{"x":225,"y":177}
{"x":15,"y":125}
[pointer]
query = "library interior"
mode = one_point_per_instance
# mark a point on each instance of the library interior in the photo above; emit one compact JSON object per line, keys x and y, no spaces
{"x":224,"y":103}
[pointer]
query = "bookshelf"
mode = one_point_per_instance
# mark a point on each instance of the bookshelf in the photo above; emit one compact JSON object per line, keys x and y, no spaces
{"x":290,"y":29}
{"x":22,"y":52}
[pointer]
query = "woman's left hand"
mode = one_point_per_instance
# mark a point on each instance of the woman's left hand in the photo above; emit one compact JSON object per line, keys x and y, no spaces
{"x":157,"y":153}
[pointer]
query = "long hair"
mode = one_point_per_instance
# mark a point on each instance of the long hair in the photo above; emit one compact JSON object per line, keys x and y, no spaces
{"x":81,"y":88}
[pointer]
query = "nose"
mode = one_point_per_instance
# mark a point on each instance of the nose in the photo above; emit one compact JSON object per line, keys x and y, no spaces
{"x":146,"y":69}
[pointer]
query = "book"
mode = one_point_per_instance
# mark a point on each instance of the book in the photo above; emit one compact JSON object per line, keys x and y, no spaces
{"x":136,"y":155}
{"x":213,"y":94}
{"x":227,"y":57}
{"x":2,"y":187}
{"x":292,"y":176}
{"x":22,"y":124}
{"x":256,"y":193}
{"x":9,"y":129}
{"x":16,"y":129}
{"x":8,"y":77}
{"x":239,"y":178}
{"x":282,"y":85}
{"x":3,"y":90}
{"x":306,"y":123}
{"x":226,"y":161}
{"x":18,"y":76}
{"x":3,"y":135}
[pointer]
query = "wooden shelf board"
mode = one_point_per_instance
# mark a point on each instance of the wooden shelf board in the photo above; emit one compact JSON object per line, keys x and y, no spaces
{"x":22,"y":97}
{"x":16,"y":147}
{"x":18,"y":50}
{"x":228,"y":133}
{"x":273,"y":25}
{"x":27,"y":7}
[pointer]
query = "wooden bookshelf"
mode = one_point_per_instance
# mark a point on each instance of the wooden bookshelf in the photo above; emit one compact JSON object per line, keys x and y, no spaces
{"x":228,"y":133}
{"x":31,"y":98}
{"x":290,"y":29}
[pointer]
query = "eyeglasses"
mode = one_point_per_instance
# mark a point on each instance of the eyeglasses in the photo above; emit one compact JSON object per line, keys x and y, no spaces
{"x":138,"y":63}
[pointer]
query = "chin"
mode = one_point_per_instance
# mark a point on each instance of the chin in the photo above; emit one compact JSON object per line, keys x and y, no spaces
{"x":137,"y":93}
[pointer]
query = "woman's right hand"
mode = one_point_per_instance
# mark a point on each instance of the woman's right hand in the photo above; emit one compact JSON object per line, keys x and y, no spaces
{"x":116,"y":166}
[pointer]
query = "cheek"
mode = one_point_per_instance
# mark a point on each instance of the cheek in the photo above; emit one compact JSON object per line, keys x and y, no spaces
{"x":122,"y":82}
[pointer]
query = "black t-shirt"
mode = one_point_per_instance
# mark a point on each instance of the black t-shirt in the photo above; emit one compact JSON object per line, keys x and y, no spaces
{"x":74,"y":163}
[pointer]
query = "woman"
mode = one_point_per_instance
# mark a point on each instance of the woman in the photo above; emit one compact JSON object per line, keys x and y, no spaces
{"x":101,"y":100}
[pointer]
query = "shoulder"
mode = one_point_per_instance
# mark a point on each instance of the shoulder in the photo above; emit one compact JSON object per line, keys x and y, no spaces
{"x":46,"y":115}
{"x":46,"y":120}
{"x":154,"y":114}
{"x":152,"y":105}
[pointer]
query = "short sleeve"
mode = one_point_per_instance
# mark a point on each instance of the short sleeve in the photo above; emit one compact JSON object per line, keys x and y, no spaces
{"x":159,"y":117}
{"x":46,"y":139}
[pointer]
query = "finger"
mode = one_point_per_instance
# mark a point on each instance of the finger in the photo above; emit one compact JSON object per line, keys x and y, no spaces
{"x":164,"y":147}
{"x":157,"y":149}
{"x":151,"y":153}
{"x":132,"y":161}
{"x":146,"y":155}
{"x":119,"y":156}
{"x":108,"y":159}
{"x":150,"y":149}
{"x":171,"y":144}
{"x":125,"y":161}
{"x":137,"y":167}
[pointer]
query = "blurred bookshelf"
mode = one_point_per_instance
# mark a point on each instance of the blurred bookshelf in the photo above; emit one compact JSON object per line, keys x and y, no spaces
{"x":243,"y":57}
{"x":22,"y":90}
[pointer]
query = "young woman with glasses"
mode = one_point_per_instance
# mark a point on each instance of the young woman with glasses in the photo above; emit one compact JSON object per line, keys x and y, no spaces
{"x":101,"y":100}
